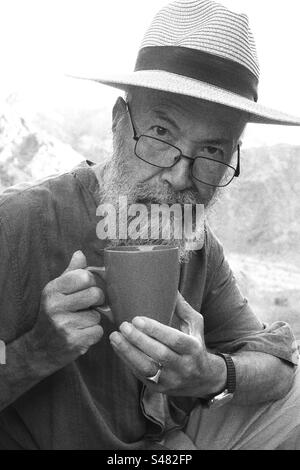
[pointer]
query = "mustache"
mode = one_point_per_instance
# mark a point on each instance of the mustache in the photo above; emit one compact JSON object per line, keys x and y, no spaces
{"x":162,"y":193}
{"x":119,"y":181}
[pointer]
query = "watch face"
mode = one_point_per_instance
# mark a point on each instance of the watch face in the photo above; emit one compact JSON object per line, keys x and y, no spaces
{"x":220,"y":400}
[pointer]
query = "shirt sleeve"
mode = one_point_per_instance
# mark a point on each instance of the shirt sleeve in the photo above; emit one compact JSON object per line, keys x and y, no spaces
{"x":230,"y":323}
{"x":10,"y":296}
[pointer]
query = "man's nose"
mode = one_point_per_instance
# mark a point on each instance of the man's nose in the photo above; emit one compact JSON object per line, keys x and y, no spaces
{"x":179,"y":176}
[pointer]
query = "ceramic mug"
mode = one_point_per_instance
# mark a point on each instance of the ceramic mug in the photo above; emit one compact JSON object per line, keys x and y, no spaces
{"x":140,"y":281}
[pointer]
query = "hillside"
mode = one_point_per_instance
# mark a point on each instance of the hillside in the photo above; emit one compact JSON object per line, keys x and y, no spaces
{"x":27,"y":153}
{"x":259,"y":213}
{"x":258,"y":221}
{"x":271,"y":286}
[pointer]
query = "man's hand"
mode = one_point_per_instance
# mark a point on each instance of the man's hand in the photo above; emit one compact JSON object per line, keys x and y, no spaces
{"x":188,"y":368}
{"x":67,"y":326}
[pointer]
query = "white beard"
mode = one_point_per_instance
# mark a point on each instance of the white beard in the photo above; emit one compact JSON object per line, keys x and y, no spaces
{"x":117,"y":182}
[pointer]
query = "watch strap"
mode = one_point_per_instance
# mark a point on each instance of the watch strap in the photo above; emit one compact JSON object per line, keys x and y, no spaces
{"x":231,"y":372}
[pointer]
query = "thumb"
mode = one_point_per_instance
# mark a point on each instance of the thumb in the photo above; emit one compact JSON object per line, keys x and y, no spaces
{"x":78,"y":261}
{"x":191,"y":320}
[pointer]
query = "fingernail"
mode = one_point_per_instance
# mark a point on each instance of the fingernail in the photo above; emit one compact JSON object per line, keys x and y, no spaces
{"x":115,"y":338}
{"x":126,"y":328}
{"x":139,"y":322}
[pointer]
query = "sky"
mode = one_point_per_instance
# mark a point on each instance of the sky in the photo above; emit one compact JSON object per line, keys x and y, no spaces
{"x":42,"y":40}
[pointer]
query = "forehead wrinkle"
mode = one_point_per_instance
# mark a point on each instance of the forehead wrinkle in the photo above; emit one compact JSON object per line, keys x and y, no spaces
{"x":203,"y":114}
{"x":152,"y":98}
{"x":182,"y":104}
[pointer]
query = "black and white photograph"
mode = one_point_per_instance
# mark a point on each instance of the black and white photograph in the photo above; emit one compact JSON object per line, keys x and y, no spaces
{"x":149,"y":227}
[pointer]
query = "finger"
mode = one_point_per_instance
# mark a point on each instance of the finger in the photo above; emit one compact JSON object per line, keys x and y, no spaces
{"x":126,"y":362}
{"x":74,"y":281}
{"x":78,"y":261}
{"x":92,"y":335}
{"x":143,"y":365}
{"x":148,"y":345}
{"x":98,"y":271}
{"x":80,"y":320}
{"x":176,"y":340}
{"x":93,"y":296}
{"x":160,"y":387}
{"x":142,"y":376}
{"x":192,"y":321}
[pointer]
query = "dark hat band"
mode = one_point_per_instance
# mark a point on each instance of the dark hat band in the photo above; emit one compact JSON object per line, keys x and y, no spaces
{"x":200,"y":65}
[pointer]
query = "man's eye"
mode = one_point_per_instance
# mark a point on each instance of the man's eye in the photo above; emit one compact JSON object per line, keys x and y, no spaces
{"x":211,"y":150}
{"x":159,"y":131}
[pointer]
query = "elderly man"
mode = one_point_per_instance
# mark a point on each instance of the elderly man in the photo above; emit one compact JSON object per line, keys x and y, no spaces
{"x":220,"y":378}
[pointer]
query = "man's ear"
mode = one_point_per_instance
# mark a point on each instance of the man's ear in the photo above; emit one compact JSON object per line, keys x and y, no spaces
{"x":118,"y":112}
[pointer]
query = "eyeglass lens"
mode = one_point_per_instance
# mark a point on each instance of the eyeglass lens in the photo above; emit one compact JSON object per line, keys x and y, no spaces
{"x":162,"y":155}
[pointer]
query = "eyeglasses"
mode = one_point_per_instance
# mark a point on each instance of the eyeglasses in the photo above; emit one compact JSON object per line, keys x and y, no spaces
{"x":161,"y":154}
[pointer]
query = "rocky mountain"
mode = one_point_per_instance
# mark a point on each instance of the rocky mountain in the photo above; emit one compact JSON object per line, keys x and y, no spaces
{"x":85,"y":128}
{"x":259,"y":213}
{"x":271,"y":285}
{"x":27,"y":153}
{"x":257,"y":219}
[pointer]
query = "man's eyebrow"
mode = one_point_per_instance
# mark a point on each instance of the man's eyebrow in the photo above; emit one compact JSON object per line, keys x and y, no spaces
{"x":167,"y":118}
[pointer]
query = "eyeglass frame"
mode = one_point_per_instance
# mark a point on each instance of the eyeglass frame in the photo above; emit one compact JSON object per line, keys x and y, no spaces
{"x":136,"y":138}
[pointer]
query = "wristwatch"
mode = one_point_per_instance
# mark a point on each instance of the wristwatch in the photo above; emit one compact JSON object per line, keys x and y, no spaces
{"x":227,"y":395}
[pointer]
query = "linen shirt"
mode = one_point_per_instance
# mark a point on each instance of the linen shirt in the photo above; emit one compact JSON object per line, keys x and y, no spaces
{"x":96,"y":402}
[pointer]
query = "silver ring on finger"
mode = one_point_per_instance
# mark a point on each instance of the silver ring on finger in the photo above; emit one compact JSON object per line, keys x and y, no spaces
{"x":156,"y":377}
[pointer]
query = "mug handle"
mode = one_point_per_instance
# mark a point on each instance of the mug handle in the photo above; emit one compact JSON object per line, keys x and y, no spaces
{"x":103,"y":309}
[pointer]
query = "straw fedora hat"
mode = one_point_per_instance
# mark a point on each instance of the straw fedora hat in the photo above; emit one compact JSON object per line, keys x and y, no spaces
{"x":201,"y":49}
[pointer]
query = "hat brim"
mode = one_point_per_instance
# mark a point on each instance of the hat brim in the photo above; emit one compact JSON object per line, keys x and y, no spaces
{"x":173,"y":83}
